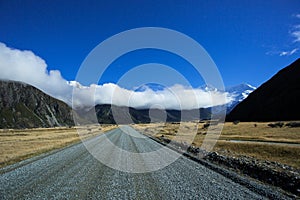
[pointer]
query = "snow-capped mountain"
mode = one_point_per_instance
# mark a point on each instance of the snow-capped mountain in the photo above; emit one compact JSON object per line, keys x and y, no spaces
{"x":208,"y":88}
{"x":275,"y":100}
{"x":151,"y":86}
{"x":239,"y":93}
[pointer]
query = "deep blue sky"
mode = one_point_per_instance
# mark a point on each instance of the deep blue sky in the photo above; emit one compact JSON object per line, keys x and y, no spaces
{"x":244,"y":38}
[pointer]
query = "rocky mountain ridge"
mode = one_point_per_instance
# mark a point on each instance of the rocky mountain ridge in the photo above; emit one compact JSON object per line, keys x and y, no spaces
{"x":24,"y":106}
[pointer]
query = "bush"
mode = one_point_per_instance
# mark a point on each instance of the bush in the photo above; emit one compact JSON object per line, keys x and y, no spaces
{"x":205,"y":125}
{"x":236,"y":122}
{"x":275,"y":125}
{"x":293,"y":124}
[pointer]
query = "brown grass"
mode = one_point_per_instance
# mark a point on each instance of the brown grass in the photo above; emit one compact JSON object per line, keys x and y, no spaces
{"x":17,"y":145}
{"x":288,"y":155}
{"x":247,"y":131}
{"x":250,"y":139}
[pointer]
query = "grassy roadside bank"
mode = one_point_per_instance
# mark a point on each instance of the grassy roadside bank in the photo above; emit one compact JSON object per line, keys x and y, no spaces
{"x":270,"y":155}
{"x":20,"y":144}
{"x":256,"y":140}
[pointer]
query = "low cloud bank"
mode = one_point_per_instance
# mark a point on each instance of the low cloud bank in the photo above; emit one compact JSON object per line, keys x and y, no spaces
{"x":25,"y":66}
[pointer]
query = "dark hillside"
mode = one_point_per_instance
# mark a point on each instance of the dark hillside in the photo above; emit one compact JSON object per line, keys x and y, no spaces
{"x":276,"y":100}
{"x":24,"y":106}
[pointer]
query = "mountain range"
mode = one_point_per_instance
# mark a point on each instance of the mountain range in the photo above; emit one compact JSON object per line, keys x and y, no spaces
{"x":123,"y":115}
{"x":111,"y":114}
{"x":239,"y":93}
{"x":24,"y":106}
{"x":275,"y":100}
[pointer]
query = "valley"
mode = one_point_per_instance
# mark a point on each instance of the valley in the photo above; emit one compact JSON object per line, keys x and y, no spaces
{"x":75,"y":173}
{"x":36,"y":126}
{"x":149,"y":100}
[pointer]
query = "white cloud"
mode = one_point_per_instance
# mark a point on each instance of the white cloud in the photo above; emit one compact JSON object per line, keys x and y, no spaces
{"x":284,"y":53}
{"x":295,"y":31}
{"x":288,"y":53}
{"x":25,"y":66}
{"x":175,"y":97}
{"x":296,"y":35}
{"x":297,"y":16}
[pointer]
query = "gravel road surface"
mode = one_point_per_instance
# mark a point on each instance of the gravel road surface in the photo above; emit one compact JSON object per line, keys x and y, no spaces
{"x":74,"y":173}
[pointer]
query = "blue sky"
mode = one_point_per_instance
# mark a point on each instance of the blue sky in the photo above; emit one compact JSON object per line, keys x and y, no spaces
{"x":248,"y":40}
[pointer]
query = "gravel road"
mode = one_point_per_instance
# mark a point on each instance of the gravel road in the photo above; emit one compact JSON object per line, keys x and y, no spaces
{"x":73,"y":173}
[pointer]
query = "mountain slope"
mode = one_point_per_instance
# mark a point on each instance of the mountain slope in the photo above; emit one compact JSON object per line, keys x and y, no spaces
{"x":24,"y":106}
{"x":277,"y":99}
{"x":107,"y":114}
{"x":239,"y":92}
{"x":125,"y":115}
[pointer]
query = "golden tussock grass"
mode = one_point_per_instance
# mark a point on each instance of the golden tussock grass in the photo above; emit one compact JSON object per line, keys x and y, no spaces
{"x":285,"y":154}
{"x":17,"y":145}
{"x":257,"y":140}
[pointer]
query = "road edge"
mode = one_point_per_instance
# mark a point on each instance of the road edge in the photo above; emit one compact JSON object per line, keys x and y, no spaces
{"x":252,"y":184}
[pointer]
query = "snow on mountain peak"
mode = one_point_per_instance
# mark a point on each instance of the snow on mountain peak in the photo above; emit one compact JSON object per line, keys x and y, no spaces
{"x":239,"y":93}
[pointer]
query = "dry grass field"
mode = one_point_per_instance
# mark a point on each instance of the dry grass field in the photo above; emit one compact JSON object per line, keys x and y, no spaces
{"x":257,"y":140}
{"x":17,"y":145}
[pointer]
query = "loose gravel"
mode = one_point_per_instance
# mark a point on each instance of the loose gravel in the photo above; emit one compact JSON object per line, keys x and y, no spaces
{"x":74,"y":173}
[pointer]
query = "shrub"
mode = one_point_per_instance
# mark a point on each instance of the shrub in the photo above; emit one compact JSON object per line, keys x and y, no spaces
{"x":236,"y":122}
{"x":275,"y":125}
{"x":293,"y":124}
{"x":205,"y":125}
